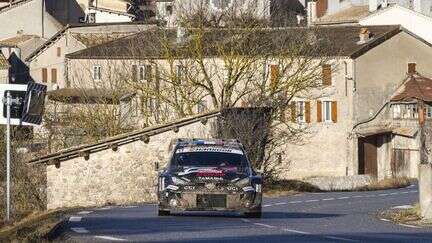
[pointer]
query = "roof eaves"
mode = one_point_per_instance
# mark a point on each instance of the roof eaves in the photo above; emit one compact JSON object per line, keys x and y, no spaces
{"x":47,"y":44}
{"x":376,"y":42}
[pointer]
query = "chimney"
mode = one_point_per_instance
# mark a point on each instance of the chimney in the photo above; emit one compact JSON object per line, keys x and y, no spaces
{"x":364,"y":35}
{"x":412,"y":68}
{"x":311,"y":13}
{"x":417,"y":6}
{"x":181,"y":34}
{"x":384,"y":4}
{"x":373,"y":5}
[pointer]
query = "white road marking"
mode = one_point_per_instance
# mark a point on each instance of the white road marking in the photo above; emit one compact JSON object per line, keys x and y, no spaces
{"x":296,"y":202}
{"x":385,"y":220}
{"x":297,"y":231}
{"x":359,"y":196}
{"x":267,"y":205}
{"x":340,"y":239}
{"x":265,"y":225}
{"x":410,"y":226}
{"x":85,"y":212}
{"x":80,"y":230}
{"x":383,"y":194}
{"x":403,"y":207}
{"x":75,"y":219}
{"x":329,"y":199}
{"x":130,"y":206}
{"x":413,"y":191}
{"x":404,"y":192}
{"x":314,"y":200}
{"x":394,"y":193}
{"x":281,"y":203}
{"x":109,"y":238}
{"x":246,"y":220}
{"x":340,"y":198}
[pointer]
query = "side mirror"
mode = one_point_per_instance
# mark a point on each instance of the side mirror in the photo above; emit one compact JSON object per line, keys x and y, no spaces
{"x":156,"y":166}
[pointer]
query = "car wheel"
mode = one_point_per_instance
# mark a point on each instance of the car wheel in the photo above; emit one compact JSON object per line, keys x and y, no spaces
{"x":164,"y":213}
{"x":254,"y":214}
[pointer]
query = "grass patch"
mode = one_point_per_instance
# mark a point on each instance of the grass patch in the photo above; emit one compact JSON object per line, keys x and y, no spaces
{"x":403,"y":216}
{"x":287,"y":187}
{"x":34,"y":227}
{"x":390,"y":183}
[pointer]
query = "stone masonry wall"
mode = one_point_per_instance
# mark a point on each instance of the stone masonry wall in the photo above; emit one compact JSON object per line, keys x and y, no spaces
{"x":121,"y":177}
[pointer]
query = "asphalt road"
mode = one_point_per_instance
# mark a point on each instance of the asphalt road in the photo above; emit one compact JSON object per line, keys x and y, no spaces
{"x":311,"y":217}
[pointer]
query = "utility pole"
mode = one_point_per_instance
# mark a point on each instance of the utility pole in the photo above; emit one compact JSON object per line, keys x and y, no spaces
{"x":8,"y":156}
{"x":425,"y":167}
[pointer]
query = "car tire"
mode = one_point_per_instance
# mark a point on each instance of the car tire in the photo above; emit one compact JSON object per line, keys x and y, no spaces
{"x":164,"y":213}
{"x":254,"y":215}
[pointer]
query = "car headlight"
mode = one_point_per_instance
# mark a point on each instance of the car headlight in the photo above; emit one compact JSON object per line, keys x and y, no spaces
{"x":178,"y":181}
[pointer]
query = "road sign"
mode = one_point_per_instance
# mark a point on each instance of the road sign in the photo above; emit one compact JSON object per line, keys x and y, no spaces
{"x":22,"y":105}
{"x":28,"y":106}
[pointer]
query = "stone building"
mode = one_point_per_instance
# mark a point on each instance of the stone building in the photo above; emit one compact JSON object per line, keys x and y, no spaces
{"x":325,"y":12}
{"x":47,"y":62}
{"x":169,"y":11}
{"x":357,"y":82}
{"x":42,"y":18}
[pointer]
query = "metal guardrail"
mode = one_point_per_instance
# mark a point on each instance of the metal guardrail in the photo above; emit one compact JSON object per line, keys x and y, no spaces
{"x":119,"y":140}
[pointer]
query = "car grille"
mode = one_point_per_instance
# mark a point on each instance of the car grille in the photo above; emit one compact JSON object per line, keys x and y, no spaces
{"x":211,"y":201}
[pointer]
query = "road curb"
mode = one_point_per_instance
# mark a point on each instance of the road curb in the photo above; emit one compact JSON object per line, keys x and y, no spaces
{"x":59,"y":230}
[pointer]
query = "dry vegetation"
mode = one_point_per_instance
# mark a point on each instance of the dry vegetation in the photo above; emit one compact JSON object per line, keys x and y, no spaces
{"x":390,"y":183}
{"x":35,"y":227}
{"x":403,"y":216}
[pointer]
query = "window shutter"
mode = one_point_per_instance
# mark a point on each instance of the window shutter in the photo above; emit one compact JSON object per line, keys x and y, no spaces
{"x":282,"y":112}
{"x":308,"y":111}
{"x":319,"y":111}
{"x":411,"y":68}
{"x":326,"y":75}
{"x":334,"y":111}
{"x":53,"y":75}
{"x":274,"y":75}
{"x":134,"y":73}
{"x":293,"y":112}
{"x":44,"y":75}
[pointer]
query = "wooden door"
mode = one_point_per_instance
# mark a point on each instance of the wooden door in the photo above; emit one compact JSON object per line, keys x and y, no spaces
{"x":368,"y":154}
{"x":321,"y":7}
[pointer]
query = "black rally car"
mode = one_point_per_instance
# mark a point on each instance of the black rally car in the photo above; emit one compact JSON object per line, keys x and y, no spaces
{"x":209,"y":175}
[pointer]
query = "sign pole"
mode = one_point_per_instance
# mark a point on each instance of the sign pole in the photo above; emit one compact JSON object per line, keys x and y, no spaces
{"x":8,"y":156}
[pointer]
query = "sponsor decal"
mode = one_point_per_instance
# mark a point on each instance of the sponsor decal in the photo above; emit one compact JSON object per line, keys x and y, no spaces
{"x":208,"y":149}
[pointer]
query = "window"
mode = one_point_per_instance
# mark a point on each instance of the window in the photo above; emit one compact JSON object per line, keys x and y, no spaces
{"x":202,"y":106}
{"x":58,"y":51}
{"x":221,"y":4}
{"x":145,"y":73}
{"x":326,"y":75}
{"x":44,"y":75}
{"x":429,"y":111}
{"x":181,"y":73}
{"x":405,"y":111}
{"x":326,"y":111}
{"x":97,"y":72}
{"x":54,"y":76}
{"x":169,"y":10}
{"x":301,"y":111}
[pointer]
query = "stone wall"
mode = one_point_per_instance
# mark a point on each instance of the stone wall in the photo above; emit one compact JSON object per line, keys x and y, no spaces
{"x":125,"y":176}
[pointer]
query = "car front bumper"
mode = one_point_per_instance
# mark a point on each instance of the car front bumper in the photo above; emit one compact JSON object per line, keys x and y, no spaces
{"x":210,"y":201}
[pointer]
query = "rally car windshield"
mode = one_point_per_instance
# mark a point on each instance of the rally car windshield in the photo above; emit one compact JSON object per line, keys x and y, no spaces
{"x":208,"y":159}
